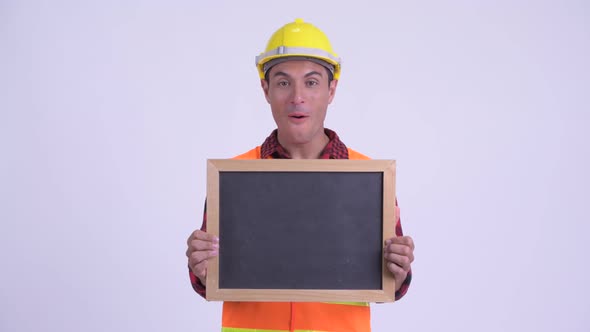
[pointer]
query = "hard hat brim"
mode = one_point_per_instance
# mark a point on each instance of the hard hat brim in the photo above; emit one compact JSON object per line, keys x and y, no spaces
{"x":269,"y":64}
{"x":289,"y":53}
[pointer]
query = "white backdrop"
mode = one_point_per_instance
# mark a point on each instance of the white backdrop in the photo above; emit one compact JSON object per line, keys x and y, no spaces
{"x":109,"y":110}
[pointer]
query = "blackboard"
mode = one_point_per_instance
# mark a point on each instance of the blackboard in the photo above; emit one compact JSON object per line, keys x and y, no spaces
{"x":300,"y":230}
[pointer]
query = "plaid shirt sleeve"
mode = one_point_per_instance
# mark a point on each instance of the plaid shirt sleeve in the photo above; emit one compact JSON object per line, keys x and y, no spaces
{"x":406,"y":284}
{"x":196,"y":283}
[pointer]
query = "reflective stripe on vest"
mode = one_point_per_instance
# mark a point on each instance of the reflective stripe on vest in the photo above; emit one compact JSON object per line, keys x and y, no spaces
{"x":296,"y":316}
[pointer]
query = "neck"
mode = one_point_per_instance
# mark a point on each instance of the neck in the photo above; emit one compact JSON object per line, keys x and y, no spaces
{"x":310,"y":150}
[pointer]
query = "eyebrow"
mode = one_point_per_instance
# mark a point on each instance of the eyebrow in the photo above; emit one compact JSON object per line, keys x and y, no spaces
{"x":311,"y":73}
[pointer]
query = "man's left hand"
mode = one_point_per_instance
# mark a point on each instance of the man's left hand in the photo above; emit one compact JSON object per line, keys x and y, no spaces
{"x":399,"y":255}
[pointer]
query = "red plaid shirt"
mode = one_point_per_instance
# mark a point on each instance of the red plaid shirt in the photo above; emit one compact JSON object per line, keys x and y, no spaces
{"x":335,"y":149}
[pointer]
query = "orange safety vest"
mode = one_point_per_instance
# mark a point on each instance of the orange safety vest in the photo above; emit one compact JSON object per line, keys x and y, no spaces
{"x":296,"y":316}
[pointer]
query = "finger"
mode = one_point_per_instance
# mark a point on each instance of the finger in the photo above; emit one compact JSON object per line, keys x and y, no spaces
{"x":389,"y":241}
{"x":400,"y":249}
{"x":402,"y":261}
{"x":197,"y":257}
{"x":405,"y":240}
{"x":398,"y":273}
{"x":192,"y":237}
{"x":199,"y":245}
{"x":397,"y":240}
{"x":200,"y":270}
{"x":410,"y":242}
{"x":203,"y":245}
{"x":204,"y":236}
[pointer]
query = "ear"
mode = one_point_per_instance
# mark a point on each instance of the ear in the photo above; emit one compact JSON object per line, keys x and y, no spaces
{"x":264,"y":86}
{"x":332,"y":90}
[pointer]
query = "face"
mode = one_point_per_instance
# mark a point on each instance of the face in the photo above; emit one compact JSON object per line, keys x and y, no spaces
{"x":299,"y":94}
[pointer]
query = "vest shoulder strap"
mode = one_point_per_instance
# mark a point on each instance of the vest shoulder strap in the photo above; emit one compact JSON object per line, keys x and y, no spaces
{"x":352,"y":154}
{"x":252,"y":154}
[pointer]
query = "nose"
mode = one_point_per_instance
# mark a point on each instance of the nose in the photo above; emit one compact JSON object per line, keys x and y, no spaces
{"x":297,"y":95}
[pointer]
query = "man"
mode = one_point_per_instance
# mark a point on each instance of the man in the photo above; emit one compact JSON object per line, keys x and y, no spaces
{"x":299,"y":74}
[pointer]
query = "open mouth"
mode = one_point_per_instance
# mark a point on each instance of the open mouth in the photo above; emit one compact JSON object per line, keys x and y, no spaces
{"x":297,"y":115}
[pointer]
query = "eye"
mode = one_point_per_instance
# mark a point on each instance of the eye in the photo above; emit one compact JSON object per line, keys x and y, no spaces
{"x":311,"y":83}
{"x":283,"y":83}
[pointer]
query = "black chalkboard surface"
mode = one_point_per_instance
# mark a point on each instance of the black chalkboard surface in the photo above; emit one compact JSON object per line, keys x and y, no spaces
{"x":300,"y":230}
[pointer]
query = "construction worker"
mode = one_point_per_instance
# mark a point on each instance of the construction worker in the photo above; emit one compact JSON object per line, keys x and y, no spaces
{"x":299,"y":75}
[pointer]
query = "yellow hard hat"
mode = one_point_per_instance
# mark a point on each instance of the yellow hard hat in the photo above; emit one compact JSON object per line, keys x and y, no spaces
{"x":298,"y":39}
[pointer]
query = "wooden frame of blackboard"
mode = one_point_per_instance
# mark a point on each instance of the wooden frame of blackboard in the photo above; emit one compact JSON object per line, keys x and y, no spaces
{"x":386,"y":293}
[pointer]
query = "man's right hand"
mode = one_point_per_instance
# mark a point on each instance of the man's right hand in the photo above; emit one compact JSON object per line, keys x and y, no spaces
{"x":201,"y":247}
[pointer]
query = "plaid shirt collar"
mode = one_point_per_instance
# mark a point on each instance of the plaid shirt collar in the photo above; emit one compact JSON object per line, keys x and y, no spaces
{"x":335,"y":149}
